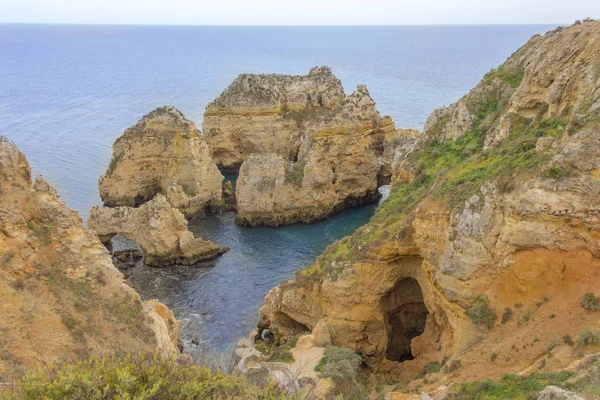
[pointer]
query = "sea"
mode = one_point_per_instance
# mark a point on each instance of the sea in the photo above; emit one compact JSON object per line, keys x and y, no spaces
{"x":68,"y":91}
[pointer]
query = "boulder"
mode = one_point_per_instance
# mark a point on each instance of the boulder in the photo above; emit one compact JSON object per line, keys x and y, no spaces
{"x":556,"y":393}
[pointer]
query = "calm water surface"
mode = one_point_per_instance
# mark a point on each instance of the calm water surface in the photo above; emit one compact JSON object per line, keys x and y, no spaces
{"x":67,"y":92}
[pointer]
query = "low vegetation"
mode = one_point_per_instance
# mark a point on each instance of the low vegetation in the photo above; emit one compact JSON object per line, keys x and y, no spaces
{"x":512,"y":386}
{"x":342,"y":365}
{"x":482,"y":313}
{"x":507,"y":315}
{"x":431,"y":367}
{"x":277,"y":353}
{"x":135,"y":377}
{"x":588,"y":336}
{"x":294,"y":174}
{"x":589,"y":301}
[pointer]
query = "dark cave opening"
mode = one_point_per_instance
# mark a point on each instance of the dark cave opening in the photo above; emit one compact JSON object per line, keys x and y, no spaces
{"x":405,"y":316}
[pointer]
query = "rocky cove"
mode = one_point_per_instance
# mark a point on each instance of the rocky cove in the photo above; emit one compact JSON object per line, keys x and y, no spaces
{"x":482,"y":261}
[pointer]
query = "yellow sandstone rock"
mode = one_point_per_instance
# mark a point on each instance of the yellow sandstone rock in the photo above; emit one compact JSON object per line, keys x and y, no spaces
{"x":61,"y":296}
{"x":163,"y":153}
{"x":479,"y":257}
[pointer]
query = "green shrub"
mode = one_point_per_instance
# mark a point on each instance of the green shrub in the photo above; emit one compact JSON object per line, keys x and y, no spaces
{"x":557,"y":172}
{"x":568,"y":340}
{"x":69,"y":321}
{"x":481,"y":312}
{"x":507,"y":315}
{"x":431,"y":367}
{"x":339,"y":364}
{"x":589,"y":302}
{"x":282,"y":354}
{"x":135,"y":377}
{"x":588,"y":336}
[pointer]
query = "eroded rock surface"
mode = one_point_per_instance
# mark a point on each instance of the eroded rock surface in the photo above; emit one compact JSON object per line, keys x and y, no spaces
{"x":490,"y":236}
{"x":160,"y":230}
{"x":61,"y":295}
{"x":162,"y":153}
{"x":338,"y":161}
{"x":259,"y":114}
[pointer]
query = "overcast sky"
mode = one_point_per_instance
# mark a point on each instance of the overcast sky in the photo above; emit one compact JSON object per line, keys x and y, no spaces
{"x":298,"y":12}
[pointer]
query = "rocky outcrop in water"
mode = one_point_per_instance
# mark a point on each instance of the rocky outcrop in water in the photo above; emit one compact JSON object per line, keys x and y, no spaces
{"x":162,"y":153}
{"x":489,"y":239}
{"x":160,"y":230}
{"x":61,"y":294}
{"x":306,"y":149}
{"x":259,"y":114}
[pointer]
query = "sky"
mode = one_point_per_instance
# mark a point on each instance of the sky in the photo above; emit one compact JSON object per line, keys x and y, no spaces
{"x":298,"y":12}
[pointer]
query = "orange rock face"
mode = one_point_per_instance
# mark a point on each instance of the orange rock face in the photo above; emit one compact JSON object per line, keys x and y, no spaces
{"x":61,"y":295}
{"x":489,"y":239}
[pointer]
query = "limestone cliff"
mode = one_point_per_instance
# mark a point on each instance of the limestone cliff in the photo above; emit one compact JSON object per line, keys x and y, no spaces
{"x":159,"y":229}
{"x":339,"y":163}
{"x":61,"y":296}
{"x":490,"y":236}
{"x":162,"y":153}
{"x":259,"y":114}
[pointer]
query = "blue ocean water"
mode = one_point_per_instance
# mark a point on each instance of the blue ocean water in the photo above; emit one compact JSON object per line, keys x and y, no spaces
{"x":68,"y":91}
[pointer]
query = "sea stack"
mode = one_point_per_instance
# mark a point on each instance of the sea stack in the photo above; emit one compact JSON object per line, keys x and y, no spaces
{"x":163,"y":153}
{"x":306,"y":150}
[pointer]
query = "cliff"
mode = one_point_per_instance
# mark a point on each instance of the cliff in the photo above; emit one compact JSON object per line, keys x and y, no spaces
{"x":339,"y":164}
{"x":162,"y":153}
{"x":260,"y":114}
{"x":480,"y":260}
{"x":61,"y":294}
{"x":303,"y":148}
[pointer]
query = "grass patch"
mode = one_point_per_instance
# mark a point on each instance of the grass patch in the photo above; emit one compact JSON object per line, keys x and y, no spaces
{"x":513,"y":386}
{"x":294,"y":174}
{"x":513,"y":78}
{"x":277,"y":353}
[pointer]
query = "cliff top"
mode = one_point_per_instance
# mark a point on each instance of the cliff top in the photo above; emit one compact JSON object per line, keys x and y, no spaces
{"x":161,"y":120}
{"x":319,"y":88}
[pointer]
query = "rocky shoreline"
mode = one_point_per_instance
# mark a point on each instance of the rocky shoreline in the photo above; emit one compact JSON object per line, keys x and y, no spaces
{"x":484,"y":260}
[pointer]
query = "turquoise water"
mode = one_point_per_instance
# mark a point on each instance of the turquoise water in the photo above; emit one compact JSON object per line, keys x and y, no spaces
{"x":218,"y":303}
{"x":67,"y":92}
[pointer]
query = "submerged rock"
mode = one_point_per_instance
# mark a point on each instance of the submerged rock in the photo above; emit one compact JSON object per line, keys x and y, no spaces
{"x":61,"y":294}
{"x":479,"y":257}
{"x":162,"y":153}
{"x":159,"y":229}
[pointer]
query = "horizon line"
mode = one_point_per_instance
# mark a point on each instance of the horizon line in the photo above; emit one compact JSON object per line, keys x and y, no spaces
{"x":276,"y":25}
